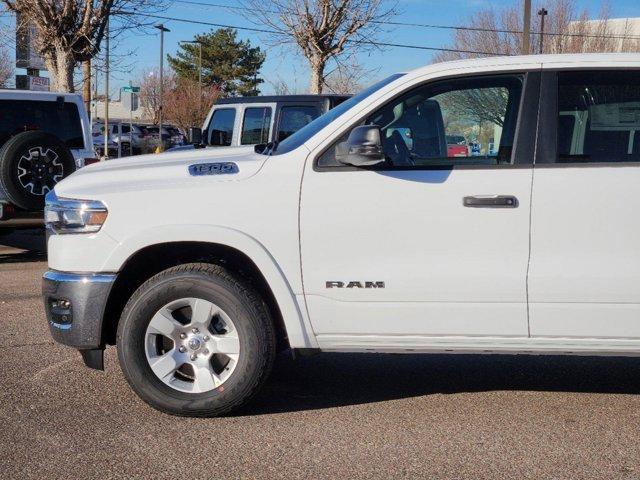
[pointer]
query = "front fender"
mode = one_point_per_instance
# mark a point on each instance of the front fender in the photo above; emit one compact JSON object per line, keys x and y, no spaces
{"x":294,"y":314}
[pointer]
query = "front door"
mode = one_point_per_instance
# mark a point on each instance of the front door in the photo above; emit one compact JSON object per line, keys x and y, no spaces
{"x":584,"y":279}
{"x":436,"y":241}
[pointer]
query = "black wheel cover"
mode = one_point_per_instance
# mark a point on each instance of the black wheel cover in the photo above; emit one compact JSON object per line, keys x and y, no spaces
{"x":31,"y":164}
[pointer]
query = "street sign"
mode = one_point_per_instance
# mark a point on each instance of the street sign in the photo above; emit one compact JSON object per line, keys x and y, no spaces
{"x":130,"y":89}
{"x":28,"y":82}
{"x":131,"y":101}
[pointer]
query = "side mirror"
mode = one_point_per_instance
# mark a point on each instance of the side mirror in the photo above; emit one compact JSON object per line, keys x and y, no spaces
{"x":195,"y":135}
{"x":363,"y":148}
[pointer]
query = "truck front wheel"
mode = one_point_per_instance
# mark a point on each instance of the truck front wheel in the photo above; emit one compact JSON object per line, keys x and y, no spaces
{"x":195,"y":341}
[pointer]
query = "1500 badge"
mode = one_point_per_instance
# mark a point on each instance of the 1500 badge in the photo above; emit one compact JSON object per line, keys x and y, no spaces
{"x":376,"y":284}
{"x":219,"y":168}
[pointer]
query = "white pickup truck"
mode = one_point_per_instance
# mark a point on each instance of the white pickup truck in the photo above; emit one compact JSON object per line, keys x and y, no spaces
{"x":358,"y":233}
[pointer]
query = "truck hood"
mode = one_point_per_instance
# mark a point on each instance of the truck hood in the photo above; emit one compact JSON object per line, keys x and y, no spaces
{"x":157,"y":171}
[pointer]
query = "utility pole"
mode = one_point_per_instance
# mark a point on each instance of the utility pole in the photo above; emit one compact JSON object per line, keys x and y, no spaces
{"x":106,"y":91}
{"x":199,"y":80}
{"x":162,"y":29}
{"x":95,"y":93}
{"x":86,"y":86}
{"x":526,"y":31}
{"x":131,"y":122}
{"x":543,"y":13}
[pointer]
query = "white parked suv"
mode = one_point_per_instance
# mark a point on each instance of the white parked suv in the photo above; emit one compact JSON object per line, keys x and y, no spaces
{"x":44,"y":138}
{"x":359,"y":233}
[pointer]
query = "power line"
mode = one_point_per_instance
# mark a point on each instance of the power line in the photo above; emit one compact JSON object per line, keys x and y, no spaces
{"x":442,"y":27}
{"x":275,"y":32}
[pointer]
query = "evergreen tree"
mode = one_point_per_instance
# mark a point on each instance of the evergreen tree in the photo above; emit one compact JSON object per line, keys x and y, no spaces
{"x":230,"y":65}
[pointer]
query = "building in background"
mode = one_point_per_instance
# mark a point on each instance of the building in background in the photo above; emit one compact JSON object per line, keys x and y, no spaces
{"x":628,"y":29}
{"x":118,"y":111}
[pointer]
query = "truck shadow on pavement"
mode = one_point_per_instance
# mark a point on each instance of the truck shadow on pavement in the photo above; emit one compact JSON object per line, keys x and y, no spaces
{"x":22,"y":246}
{"x":335,"y":380}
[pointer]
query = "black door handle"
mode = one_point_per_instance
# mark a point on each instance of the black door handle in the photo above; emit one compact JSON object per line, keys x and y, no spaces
{"x":490,"y":201}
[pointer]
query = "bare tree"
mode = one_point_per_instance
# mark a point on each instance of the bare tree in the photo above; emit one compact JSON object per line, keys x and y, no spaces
{"x":567,"y":30}
{"x":348,"y":77}
{"x":150,"y":92}
{"x":6,"y":68}
{"x":71,"y":31}
{"x":281,"y":87}
{"x":323,"y":30}
{"x":181,"y":104}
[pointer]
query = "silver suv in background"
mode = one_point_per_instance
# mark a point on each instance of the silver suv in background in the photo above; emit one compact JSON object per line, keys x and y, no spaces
{"x":134,"y":139}
{"x":171,"y":137}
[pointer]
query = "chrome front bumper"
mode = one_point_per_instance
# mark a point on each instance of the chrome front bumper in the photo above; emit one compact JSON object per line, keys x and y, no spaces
{"x":75,"y":305}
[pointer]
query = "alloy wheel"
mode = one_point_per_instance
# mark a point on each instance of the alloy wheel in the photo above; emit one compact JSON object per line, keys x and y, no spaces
{"x":192,"y":345}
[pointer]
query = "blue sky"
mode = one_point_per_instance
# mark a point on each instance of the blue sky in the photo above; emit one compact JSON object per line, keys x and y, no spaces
{"x":292,"y":69}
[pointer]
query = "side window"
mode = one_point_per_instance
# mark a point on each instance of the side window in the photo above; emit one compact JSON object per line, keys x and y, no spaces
{"x":469,"y":121}
{"x":293,"y":118}
{"x":221,"y":127}
{"x":61,"y":120}
{"x":598,"y":116}
{"x":255,"y":125}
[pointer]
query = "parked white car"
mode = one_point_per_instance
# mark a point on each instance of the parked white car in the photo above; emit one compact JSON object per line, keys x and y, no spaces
{"x":199,"y":265}
{"x":44,"y":138}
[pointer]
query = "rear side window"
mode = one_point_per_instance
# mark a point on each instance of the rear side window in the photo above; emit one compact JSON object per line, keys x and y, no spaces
{"x":293,"y":118}
{"x":255,"y":125}
{"x":61,"y":120}
{"x":221,"y":127}
{"x":598,"y":116}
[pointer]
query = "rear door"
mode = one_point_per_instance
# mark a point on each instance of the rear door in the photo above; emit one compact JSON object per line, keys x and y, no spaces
{"x":584,"y":276}
{"x":257,"y":123}
{"x":293,"y":116}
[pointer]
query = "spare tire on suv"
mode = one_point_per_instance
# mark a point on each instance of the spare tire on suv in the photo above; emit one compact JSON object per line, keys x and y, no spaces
{"x":31,"y":164}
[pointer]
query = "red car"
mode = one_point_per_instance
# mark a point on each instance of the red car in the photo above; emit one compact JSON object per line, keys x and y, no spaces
{"x":457,"y":151}
{"x":457,"y":146}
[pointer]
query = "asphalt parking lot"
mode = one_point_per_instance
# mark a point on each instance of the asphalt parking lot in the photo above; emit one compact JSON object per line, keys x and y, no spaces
{"x":328,"y":416}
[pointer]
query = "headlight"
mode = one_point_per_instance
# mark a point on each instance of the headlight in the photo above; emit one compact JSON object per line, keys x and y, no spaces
{"x":65,"y":215}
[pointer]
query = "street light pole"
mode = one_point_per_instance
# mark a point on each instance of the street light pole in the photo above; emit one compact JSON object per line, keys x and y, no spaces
{"x":543,"y":13}
{"x":526,"y":31}
{"x":106,"y":91}
{"x":162,"y":29}
{"x":200,"y":79}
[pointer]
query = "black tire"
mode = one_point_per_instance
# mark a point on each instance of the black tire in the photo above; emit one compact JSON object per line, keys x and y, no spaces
{"x":31,"y":164}
{"x":249,"y":313}
{"x":126,"y":149}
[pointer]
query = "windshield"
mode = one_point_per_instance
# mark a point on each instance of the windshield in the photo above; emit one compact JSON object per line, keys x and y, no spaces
{"x":308,"y":131}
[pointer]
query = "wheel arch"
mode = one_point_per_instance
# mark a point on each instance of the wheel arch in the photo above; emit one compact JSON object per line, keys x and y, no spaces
{"x":139,"y":258}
